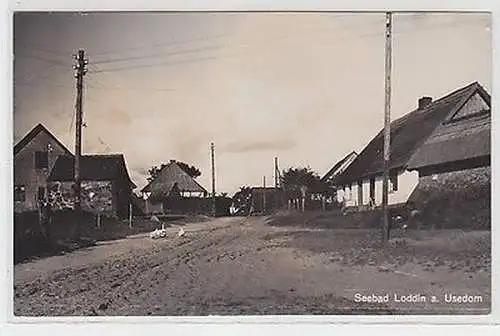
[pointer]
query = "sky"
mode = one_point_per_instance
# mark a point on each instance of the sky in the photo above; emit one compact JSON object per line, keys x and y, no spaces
{"x":307,"y":88}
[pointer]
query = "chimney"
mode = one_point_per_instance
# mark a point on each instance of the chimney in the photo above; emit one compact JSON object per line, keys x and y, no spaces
{"x":423,"y":102}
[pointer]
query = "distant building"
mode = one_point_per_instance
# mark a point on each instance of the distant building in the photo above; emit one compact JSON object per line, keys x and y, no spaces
{"x":34,"y":157}
{"x":106,"y":184}
{"x":449,"y":134}
{"x":332,"y":175}
{"x":266,"y":199}
{"x":168,"y":191}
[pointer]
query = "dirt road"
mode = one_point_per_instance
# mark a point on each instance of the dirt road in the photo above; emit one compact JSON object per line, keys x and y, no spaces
{"x":245,"y":266}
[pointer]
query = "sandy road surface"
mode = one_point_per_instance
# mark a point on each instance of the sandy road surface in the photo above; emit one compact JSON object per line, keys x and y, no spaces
{"x":237,"y":266}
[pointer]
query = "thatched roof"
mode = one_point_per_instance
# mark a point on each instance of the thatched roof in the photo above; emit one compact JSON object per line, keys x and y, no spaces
{"x":464,"y":135}
{"x":339,"y":167}
{"x":108,"y":167}
{"x":169,"y":176}
{"x":408,"y":133}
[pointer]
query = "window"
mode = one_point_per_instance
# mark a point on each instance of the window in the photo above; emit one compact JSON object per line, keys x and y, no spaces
{"x":41,"y":160}
{"x":19,"y":193}
{"x":41,"y":193}
{"x":372,"y":189}
{"x":394,"y":182}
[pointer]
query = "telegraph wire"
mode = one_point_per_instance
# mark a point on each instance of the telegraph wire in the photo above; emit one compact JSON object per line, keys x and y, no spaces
{"x":43,"y":73}
{"x":41,"y":47}
{"x":280,"y":37}
{"x":179,"y":52}
{"x":40,"y":58}
{"x":159,"y":45}
{"x":182,"y":42}
{"x":206,"y":58}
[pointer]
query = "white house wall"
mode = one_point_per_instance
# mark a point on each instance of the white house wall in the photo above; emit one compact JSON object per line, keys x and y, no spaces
{"x":340,"y":195}
{"x":407,"y":182}
{"x":366,"y":193}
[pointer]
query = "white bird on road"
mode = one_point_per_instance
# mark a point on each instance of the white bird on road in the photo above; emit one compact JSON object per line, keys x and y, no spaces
{"x":159,"y":233}
{"x":181,"y":232}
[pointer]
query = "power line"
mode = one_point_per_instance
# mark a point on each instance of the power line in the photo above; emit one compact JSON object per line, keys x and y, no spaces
{"x":40,"y":58}
{"x":155,"y":65}
{"x":173,"y":43}
{"x":43,"y":73}
{"x":281,"y":37}
{"x":207,"y":58}
{"x":44,"y":84}
{"x":44,"y":53}
{"x":169,"y":63}
{"x":41,"y":47}
{"x":180,"y":52}
{"x":160,"y":45}
{"x":95,"y":77}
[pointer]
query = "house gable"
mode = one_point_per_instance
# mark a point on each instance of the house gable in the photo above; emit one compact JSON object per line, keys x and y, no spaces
{"x":32,"y":135}
{"x":475,"y":106}
{"x":462,"y":140}
{"x":34,"y":157}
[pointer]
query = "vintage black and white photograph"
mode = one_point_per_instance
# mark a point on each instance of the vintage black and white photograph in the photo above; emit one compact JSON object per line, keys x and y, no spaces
{"x":251,"y":163}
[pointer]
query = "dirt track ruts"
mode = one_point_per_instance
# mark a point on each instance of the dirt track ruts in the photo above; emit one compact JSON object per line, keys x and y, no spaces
{"x":228,"y":266}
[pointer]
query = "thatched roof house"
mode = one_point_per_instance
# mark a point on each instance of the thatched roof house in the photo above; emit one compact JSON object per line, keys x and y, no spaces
{"x":171,"y":180}
{"x":448,"y":134}
{"x":408,"y":134}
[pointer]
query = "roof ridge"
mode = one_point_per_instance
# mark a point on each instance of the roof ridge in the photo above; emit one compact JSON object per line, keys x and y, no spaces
{"x":338,"y":164}
{"x":438,"y":101}
{"x":32,"y":134}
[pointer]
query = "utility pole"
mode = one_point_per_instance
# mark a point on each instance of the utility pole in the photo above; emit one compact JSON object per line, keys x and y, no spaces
{"x":212,"y":150}
{"x":387,"y":127}
{"x":276,"y":173}
{"x":264,"y":195}
{"x":279,"y":195}
{"x":80,"y":71}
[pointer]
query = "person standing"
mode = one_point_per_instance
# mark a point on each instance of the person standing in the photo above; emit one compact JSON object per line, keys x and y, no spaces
{"x":46,"y":219}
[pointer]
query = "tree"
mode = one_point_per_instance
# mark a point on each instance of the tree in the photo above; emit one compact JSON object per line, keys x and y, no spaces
{"x":298,"y":182}
{"x":153,"y":171}
{"x":189,"y":169}
{"x":297,"y":177}
{"x":242,"y":199}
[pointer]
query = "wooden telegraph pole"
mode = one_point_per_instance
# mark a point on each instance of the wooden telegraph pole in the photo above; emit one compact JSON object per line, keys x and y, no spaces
{"x":264,"y":195}
{"x":279,"y":195}
{"x":80,"y":71}
{"x":387,"y":126}
{"x":212,"y":150}
{"x":276,"y":173}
